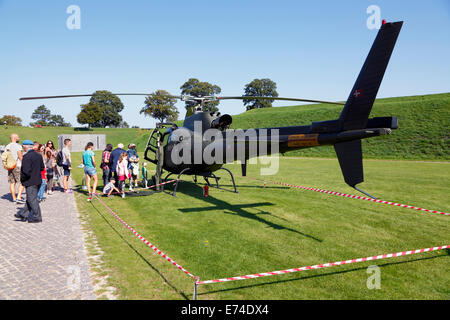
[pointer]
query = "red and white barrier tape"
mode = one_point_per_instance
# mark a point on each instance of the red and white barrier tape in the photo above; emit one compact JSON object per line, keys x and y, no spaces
{"x":162,"y":254}
{"x":325,"y":265}
{"x":357,"y":197}
{"x":160,"y":184}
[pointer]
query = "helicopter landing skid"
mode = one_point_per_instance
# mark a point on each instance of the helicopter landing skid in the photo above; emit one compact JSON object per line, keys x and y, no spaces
{"x":205,"y":176}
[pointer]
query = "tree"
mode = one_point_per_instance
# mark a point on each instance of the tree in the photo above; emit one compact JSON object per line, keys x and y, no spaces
{"x":161,"y":106}
{"x":123,"y":124}
{"x":262,"y":88}
{"x":196,"y":88}
{"x":10,"y":120}
{"x":42,"y":115}
{"x":109,"y":107}
{"x":90,"y":114}
{"x":58,"y":121}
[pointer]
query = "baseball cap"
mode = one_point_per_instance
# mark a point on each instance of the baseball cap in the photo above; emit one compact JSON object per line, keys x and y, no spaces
{"x":27,"y":143}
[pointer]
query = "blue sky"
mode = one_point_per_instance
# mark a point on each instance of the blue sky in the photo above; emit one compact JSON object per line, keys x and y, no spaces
{"x":311,"y":49}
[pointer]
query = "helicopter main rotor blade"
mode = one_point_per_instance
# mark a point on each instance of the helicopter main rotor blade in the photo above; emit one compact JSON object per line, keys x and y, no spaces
{"x":88,"y":95}
{"x":276,"y":98}
{"x":187,"y":98}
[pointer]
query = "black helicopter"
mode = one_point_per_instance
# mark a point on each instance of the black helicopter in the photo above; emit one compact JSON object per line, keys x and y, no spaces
{"x":344,"y":133}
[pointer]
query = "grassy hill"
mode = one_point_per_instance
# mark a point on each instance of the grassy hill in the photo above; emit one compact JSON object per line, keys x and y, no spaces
{"x":423,"y":134}
{"x":424,"y":126}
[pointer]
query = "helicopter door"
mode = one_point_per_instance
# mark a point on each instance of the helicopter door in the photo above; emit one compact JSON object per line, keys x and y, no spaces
{"x":156,"y":135}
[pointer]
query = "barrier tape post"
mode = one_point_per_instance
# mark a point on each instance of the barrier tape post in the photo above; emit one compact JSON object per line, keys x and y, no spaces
{"x":195,"y":289}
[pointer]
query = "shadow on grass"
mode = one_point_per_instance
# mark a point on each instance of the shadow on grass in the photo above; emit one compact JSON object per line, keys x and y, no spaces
{"x":194,"y":190}
{"x":320,"y":275}
{"x":142,"y":257}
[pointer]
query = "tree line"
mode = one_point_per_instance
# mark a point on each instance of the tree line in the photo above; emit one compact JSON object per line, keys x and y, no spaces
{"x":103,"y":109}
{"x":161,"y":106}
{"x":42,"y":116}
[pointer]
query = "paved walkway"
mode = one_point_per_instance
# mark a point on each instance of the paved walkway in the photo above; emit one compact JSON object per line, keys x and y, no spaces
{"x":42,"y":260}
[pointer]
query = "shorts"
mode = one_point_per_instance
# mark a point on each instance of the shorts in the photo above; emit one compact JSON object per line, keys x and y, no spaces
{"x":90,"y":171}
{"x":107,"y":190}
{"x":66,"y":170}
{"x":14,"y":175}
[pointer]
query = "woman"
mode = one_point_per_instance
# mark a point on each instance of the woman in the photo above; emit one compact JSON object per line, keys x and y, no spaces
{"x":89,"y":169}
{"x":106,"y":155}
{"x":50,"y":166}
{"x":58,"y":173}
{"x":50,"y":146}
{"x":122,"y":172}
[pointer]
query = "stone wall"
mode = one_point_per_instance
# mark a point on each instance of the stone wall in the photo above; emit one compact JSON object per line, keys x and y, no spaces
{"x":79,"y":141}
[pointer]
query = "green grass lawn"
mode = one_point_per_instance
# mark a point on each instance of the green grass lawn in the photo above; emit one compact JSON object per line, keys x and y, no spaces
{"x":273,"y":228}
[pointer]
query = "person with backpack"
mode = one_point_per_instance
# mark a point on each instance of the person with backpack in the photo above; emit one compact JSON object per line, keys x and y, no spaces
{"x":59,"y":177}
{"x":106,"y":156}
{"x":115,"y":156}
{"x":12,"y":161}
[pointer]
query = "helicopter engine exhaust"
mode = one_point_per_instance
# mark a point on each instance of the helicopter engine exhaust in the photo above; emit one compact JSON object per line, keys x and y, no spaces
{"x":222,"y":122}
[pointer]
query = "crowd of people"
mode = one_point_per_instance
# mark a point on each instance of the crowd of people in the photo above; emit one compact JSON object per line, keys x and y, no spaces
{"x":34,"y":168}
{"x":39,"y":170}
{"x":118,"y":166}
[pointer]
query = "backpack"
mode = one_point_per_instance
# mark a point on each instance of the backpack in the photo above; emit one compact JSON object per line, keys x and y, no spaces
{"x":9,"y":163}
{"x":105,"y":155}
{"x":59,"y":159}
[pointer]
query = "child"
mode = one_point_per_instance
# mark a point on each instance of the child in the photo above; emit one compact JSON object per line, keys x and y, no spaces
{"x":122,"y":172}
{"x":133,"y":165}
{"x":110,"y":187}
{"x":134,"y":171}
{"x":144,"y":175}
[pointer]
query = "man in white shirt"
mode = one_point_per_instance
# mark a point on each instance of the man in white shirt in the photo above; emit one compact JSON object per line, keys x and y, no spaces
{"x":14,"y":175}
